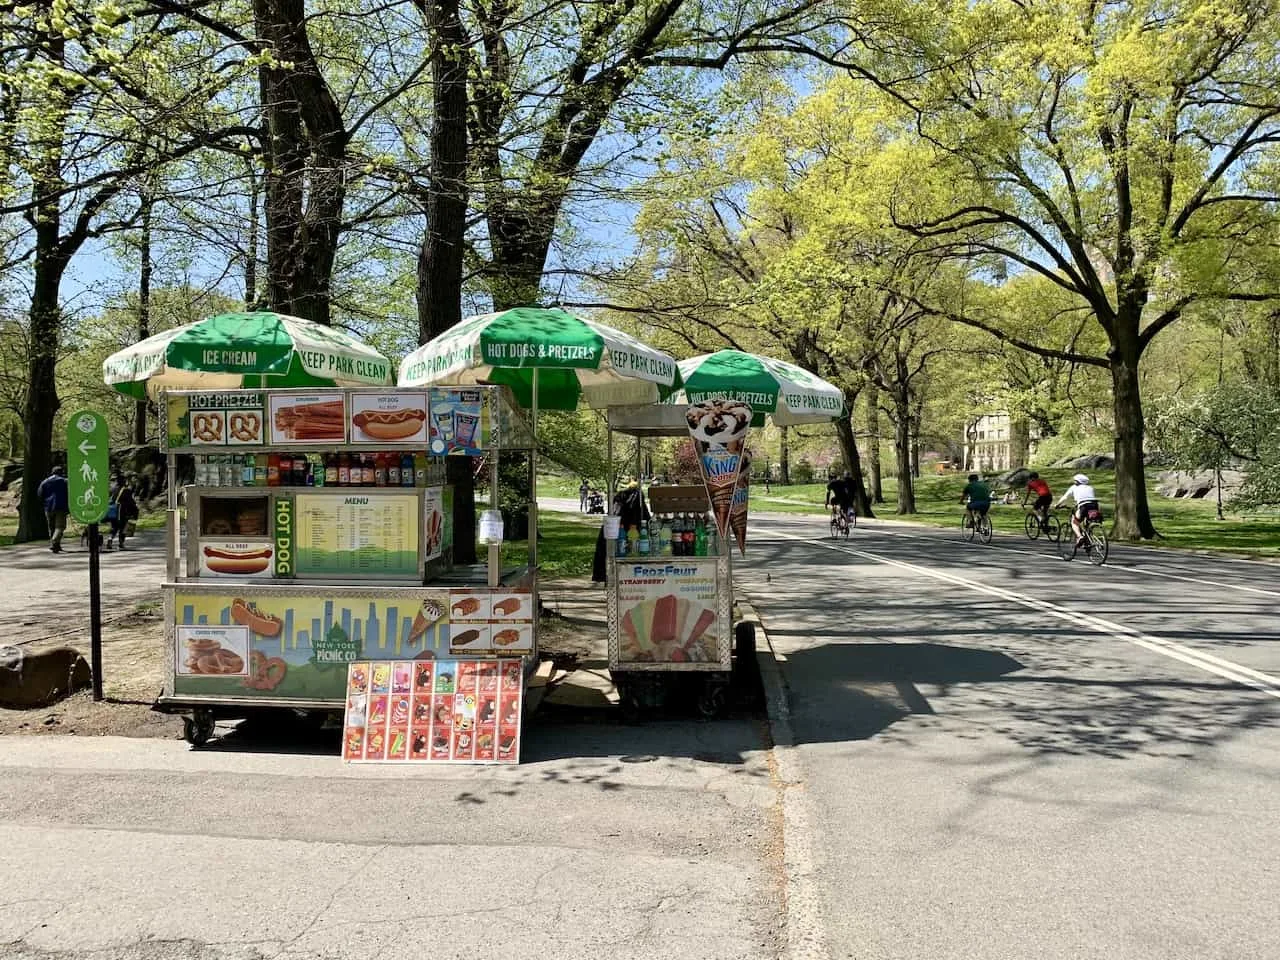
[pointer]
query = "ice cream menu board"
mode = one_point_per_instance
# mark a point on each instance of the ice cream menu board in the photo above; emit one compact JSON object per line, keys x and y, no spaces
{"x":667,"y":613}
{"x":352,"y":534}
{"x":460,"y":422}
{"x":433,"y":711}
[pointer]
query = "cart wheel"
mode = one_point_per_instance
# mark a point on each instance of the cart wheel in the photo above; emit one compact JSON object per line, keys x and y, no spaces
{"x":713,"y":700}
{"x":198,"y":728}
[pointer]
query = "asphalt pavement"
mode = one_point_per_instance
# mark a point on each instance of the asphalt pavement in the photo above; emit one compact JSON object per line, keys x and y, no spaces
{"x":1003,"y":755}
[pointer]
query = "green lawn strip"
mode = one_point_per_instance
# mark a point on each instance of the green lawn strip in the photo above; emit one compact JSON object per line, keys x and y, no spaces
{"x":566,"y":549}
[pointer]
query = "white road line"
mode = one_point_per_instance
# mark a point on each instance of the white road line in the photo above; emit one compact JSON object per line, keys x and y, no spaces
{"x":887,"y":530}
{"x":1204,"y":661}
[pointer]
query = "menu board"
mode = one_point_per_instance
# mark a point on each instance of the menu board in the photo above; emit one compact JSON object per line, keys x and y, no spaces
{"x":433,"y":711}
{"x":667,"y":612}
{"x":353,"y":534}
{"x":230,"y":418}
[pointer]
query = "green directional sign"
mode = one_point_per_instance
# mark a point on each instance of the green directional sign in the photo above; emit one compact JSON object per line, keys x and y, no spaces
{"x":88,"y":465}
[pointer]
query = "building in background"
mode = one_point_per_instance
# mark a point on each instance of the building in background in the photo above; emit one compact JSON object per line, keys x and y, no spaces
{"x":990,"y":445}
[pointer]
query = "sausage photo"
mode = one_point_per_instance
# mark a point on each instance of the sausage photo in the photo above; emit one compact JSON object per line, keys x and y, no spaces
{"x":390,"y":424}
{"x":242,"y":562}
{"x":263,"y":624}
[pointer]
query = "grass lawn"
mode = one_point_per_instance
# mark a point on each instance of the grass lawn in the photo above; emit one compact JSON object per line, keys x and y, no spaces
{"x":1183,"y":523}
{"x":566,"y":549}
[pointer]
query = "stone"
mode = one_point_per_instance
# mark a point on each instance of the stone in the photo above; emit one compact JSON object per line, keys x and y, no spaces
{"x":30,"y":680}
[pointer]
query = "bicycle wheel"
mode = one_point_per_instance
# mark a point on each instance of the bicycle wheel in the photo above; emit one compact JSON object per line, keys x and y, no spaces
{"x":835,"y":527}
{"x":966,"y":526}
{"x":1066,"y":542}
{"x":1032,"y":526}
{"x":1055,"y":528}
{"x":1098,"y":547}
{"x":847,"y":525}
{"x":984,"y":528}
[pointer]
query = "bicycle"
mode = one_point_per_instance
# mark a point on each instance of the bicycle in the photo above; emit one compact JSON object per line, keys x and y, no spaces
{"x":840,"y":522}
{"x":1035,"y":524}
{"x":973,"y":523}
{"x":1093,"y":542}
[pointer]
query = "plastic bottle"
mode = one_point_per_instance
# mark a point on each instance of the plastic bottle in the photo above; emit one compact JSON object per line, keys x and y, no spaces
{"x":273,"y":470}
{"x":301,"y":467}
{"x":380,"y":469}
{"x":664,"y":538}
{"x":344,"y":470}
{"x":690,"y":536}
{"x":420,"y":470}
{"x":713,"y":539}
{"x":622,"y":546}
{"x":260,"y":470}
{"x":700,"y":537}
{"x":331,"y":470}
{"x":366,"y":470}
{"x":642,"y":541}
{"x":406,"y":470}
{"x":633,"y":540}
{"x":393,"y":469}
{"x":315,"y":472}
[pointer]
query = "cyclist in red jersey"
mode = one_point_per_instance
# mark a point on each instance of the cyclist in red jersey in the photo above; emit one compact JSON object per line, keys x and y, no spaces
{"x":1044,"y":497}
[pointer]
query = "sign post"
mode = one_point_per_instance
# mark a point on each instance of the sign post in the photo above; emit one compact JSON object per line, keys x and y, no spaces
{"x":88,"y":467}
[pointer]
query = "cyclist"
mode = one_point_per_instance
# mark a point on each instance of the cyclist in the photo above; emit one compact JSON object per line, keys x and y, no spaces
{"x":977,"y":498}
{"x":1044,"y":497}
{"x":840,"y":494}
{"x":1086,"y":500}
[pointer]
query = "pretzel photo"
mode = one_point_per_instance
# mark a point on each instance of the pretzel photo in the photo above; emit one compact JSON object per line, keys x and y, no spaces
{"x":207,"y":427}
{"x":245,"y":427}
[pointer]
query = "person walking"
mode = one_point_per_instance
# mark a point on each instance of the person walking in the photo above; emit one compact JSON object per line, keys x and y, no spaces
{"x":583,"y":491}
{"x":123,"y":511}
{"x":53,"y":491}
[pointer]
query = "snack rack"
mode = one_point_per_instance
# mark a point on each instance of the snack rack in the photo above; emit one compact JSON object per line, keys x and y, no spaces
{"x":668,"y":614}
{"x":275,"y":584}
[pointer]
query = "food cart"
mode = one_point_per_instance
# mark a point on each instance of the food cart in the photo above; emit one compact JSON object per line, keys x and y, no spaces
{"x":313,"y":554}
{"x":670,"y":614}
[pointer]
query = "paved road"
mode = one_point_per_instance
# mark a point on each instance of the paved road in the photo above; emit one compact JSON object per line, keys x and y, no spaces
{"x":654,"y":842}
{"x":1008,"y":756}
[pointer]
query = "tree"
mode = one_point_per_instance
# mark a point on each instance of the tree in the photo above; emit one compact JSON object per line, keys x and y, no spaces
{"x":1120,"y":152}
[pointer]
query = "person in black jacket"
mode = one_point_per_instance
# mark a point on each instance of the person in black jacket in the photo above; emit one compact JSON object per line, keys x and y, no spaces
{"x":632,"y":510}
{"x":125,"y":510}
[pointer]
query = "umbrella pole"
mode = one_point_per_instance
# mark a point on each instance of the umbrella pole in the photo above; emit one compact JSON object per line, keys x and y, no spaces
{"x":533,"y":481}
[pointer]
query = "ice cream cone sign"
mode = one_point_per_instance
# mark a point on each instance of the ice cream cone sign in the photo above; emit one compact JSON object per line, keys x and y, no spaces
{"x":738,"y":509}
{"x":719,"y":431}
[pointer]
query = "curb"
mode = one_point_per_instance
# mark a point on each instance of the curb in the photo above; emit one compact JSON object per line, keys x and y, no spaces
{"x":802,"y":904}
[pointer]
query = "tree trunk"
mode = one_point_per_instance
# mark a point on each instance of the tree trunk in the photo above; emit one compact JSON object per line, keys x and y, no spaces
{"x":520,"y":247}
{"x":144,"y":306}
{"x":873,"y":444}
{"x":902,"y":450}
{"x":440,"y":255}
{"x":784,"y":458}
{"x":305,"y":153}
{"x":1019,"y":442}
{"x":1133,"y":513}
{"x":849,"y":448}
{"x":42,"y":388}
{"x":915,"y":445}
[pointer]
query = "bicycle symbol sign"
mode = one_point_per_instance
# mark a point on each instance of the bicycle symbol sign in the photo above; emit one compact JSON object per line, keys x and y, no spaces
{"x":88,"y":465}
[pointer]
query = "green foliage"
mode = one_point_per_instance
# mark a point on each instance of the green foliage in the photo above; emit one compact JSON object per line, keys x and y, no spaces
{"x":802,"y":472}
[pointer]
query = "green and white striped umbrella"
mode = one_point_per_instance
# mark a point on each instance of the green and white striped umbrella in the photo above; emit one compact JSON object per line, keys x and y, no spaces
{"x":575,"y":359}
{"x":782,"y":391}
{"x":233,"y":350}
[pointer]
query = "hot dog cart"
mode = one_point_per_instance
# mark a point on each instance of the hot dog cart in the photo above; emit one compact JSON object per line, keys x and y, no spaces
{"x":316,"y":544}
{"x":670,"y":610}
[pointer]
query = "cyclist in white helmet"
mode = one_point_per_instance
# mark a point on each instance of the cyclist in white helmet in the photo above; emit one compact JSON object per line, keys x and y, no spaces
{"x":1086,"y":500}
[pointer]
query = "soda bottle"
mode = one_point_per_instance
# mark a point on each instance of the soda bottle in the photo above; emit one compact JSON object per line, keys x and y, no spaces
{"x":713,"y":539}
{"x":380,"y":469}
{"x":690,"y":536}
{"x":273,"y":470}
{"x":260,"y":470}
{"x":331,"y":470}
{"x":700,"y":537}
{"x":246,"y":470}
{"x":366,"y":470}
{"x":393,"y":469}
{"x":301,"y":466}
{"x":344,"y":470}
{"x":406,"y":470}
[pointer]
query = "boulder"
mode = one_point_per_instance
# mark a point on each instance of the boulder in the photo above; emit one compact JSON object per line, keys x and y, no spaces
{"x":29,"y":680}
{"x":1092,"y":461}
{"x":10,"y":472}
{"x":1015,"y":478}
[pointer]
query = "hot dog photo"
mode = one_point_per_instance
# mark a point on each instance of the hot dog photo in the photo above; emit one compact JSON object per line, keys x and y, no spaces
{"x":235,"y":558}
{"x":389,"y":418}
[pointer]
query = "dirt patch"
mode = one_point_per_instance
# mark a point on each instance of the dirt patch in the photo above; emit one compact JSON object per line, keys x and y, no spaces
{"x":79,"y":716}
{"x":575,"y":621}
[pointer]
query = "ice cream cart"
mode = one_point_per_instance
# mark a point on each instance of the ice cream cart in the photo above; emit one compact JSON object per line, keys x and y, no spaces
{"x":670,"y":609}
{"x":318,"y":534}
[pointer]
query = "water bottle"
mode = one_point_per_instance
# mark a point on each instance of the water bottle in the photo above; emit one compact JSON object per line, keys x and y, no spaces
{"x":622,"y":546}
{"x":700,"y":538}
{"x":713,"y":541}
{"x":664,"y":538}
{"x":642,"y":541}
